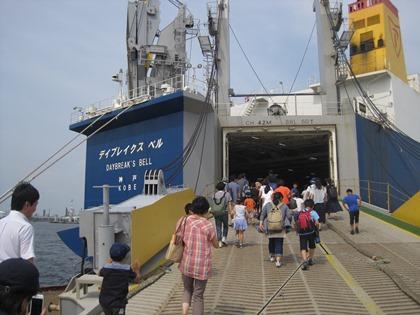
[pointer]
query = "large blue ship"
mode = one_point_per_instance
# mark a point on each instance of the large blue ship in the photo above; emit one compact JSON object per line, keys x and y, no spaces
{"x":168,"y":136}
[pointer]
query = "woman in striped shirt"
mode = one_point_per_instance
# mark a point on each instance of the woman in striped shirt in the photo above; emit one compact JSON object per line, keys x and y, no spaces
{"x":195,"y":266}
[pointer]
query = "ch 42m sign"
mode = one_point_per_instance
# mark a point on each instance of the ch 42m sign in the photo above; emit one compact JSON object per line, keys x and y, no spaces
{"x":278,"y":122}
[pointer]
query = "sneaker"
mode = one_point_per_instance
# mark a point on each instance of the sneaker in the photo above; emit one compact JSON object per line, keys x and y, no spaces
{"x":224,"y":241}
{"x":278,"y":264}
{"x":240,"y":245}
{"x":310,"y":262}
{"x":352,"y":232}
{"x":305,"y":265}
{"x":220,"y":244}
{"x":357,"y":230}
{"x":272,"y":258}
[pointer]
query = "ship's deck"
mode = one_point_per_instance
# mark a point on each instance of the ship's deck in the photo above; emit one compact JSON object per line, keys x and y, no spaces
{"x":374,"y":272}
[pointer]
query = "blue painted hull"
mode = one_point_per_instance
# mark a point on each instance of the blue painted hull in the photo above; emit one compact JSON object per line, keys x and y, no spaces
{"x":383,"y":160}
{"x":148,"y":136}
{"x":70,"y":237}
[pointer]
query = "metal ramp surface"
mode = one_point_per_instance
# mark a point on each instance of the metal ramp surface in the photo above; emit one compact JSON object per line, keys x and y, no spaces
{"x":343,"y":280}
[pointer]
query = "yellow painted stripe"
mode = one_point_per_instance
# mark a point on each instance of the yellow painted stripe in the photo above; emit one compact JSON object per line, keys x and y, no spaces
{"x":394,"y":226}
{"x":133,"y":286}
{"x":361,"y":294}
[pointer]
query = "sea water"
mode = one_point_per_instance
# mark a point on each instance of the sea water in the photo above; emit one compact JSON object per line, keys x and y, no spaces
{"x":55,"y":261}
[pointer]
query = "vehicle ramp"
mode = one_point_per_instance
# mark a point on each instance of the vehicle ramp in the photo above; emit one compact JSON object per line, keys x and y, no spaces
{"x":347,"y":277}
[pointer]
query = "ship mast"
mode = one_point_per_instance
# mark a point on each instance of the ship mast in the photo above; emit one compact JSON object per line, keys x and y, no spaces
{"x":155,"y":55}
{"x":326,"y":19}
{"x":223,"y":59}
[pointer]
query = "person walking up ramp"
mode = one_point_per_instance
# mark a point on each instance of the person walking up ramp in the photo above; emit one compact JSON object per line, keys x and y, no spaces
{"x":306,"y":222}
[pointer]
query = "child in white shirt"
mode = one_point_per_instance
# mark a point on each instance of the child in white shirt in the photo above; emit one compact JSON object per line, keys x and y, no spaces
{"x":240,"y":223}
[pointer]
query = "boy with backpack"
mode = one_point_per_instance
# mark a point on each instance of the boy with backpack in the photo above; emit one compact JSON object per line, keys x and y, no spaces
{"x":117,"y":275}
{"x":220,"y":207}
{"x":306,"y":222}
{"x":275,"y":221}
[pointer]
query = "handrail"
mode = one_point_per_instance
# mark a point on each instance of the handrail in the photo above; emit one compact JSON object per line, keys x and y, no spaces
{"x":373,"y":188}
{"x":139,"y":95}
{"x":385,"y":183}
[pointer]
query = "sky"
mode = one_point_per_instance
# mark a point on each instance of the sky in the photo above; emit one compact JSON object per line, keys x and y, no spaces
{"x":59,"y":54}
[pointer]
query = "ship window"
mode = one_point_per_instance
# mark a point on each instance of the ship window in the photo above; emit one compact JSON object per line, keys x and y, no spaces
{"x":359,"y":24}
{"x":367,"y":46}
{"x":364,"y":37}
{"x":362,"y":108}
{"x":366,"y":42}
{"x":373,"y":20}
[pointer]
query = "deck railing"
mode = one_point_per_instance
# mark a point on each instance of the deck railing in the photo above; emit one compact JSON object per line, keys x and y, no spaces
{"x":381,"y":194}
{"x":139,"y":95}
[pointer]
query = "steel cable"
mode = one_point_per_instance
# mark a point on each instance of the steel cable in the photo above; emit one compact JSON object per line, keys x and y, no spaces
{"x":301,"y":63}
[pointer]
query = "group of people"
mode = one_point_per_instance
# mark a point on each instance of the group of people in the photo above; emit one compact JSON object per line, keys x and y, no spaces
{"x":271,"y":206}
{"x":276,"y":208}
{"x":19,"y":276}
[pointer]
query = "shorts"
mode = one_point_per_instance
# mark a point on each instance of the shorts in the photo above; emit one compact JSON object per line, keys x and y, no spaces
{"x":306,"y":241}
{"x":354,"y":217}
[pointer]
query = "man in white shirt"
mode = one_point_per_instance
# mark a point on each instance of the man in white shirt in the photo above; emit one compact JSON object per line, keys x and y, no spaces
{"x":16,"y":232}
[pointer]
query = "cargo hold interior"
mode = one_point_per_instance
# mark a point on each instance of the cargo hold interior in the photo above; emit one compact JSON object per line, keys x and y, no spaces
{"x":294,"y":156}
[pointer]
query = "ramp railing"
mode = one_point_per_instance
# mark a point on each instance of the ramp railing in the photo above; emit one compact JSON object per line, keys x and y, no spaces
{"x":381,"y":194}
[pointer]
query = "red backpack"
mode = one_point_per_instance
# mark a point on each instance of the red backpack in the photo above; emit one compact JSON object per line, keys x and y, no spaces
{"x":304,"y":222}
